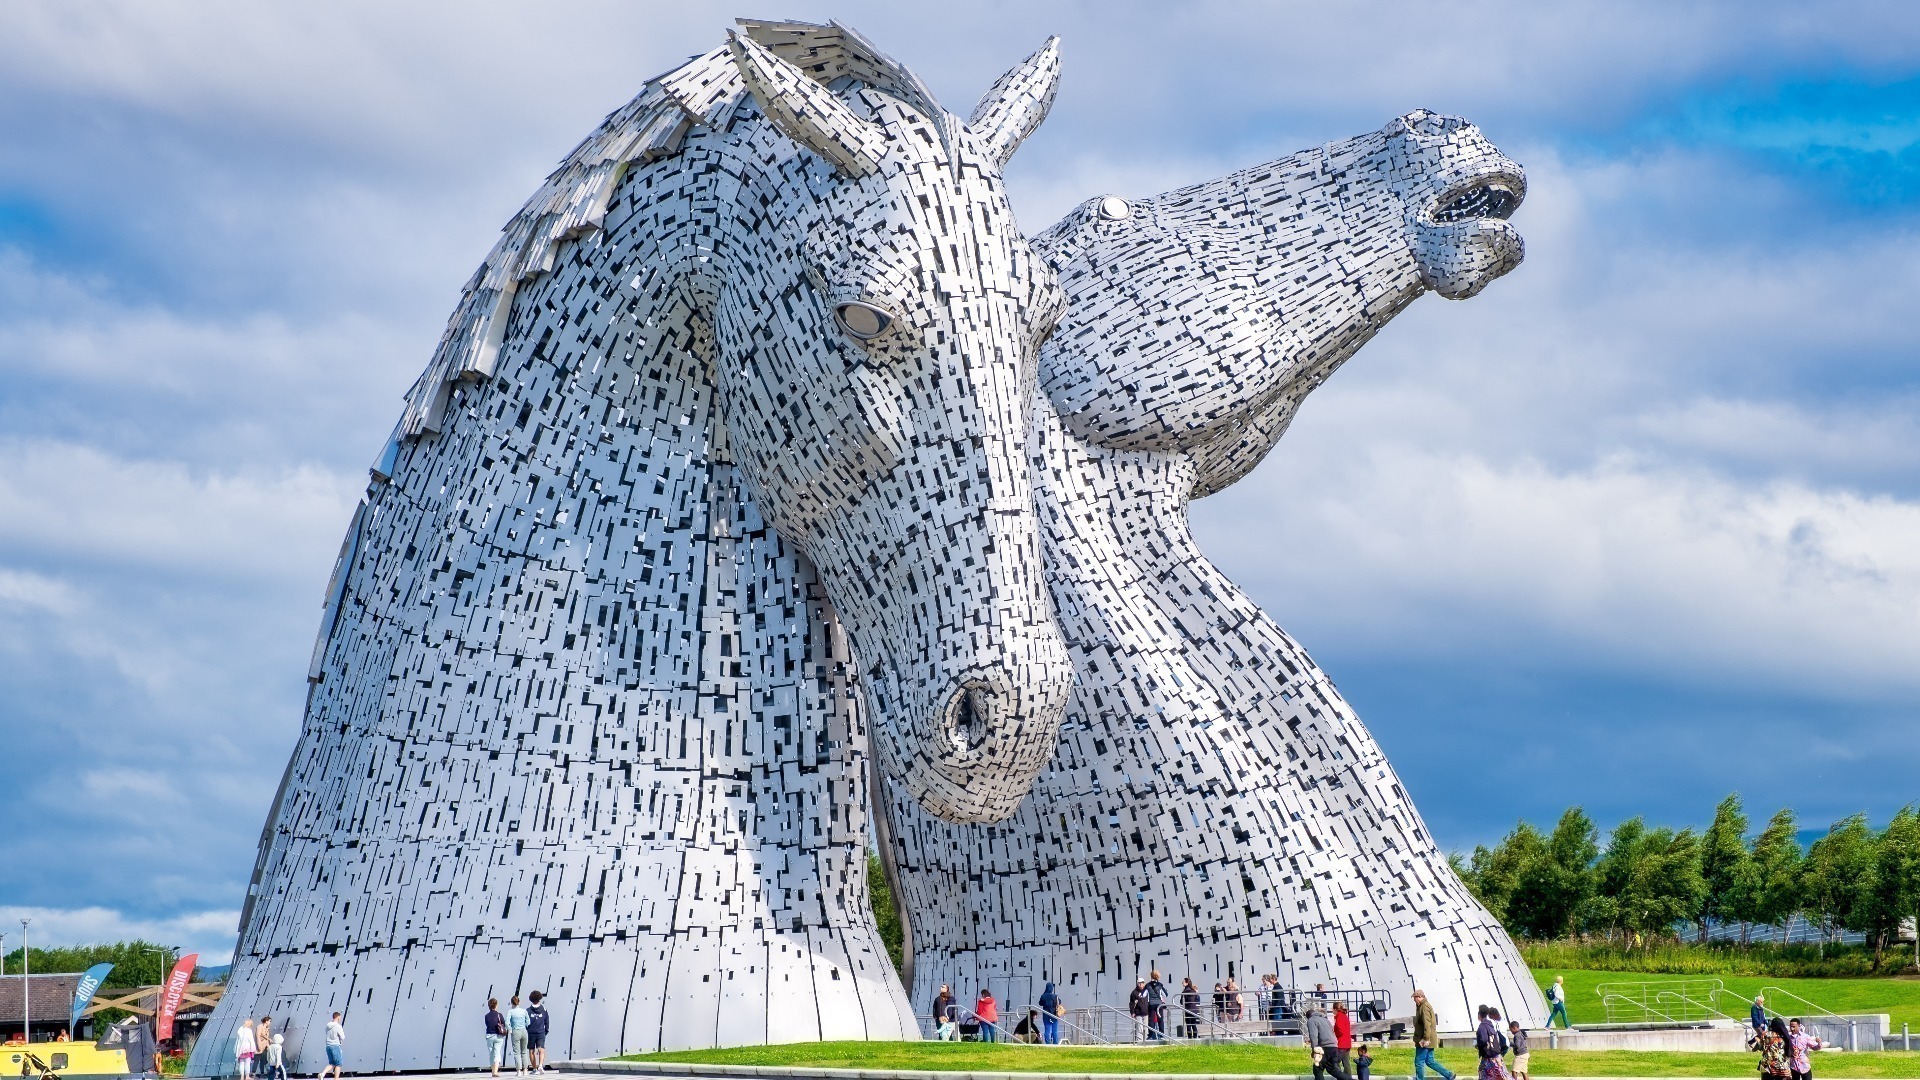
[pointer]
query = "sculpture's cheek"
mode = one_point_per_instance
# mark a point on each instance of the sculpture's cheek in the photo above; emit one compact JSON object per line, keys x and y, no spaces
{"x":1458,"y":259}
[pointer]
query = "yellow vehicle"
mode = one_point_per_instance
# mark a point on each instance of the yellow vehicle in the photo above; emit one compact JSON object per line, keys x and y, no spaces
{"x":61,"y":1061}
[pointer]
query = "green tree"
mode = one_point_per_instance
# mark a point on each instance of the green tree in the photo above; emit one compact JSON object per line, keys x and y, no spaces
{"x":1840,"y":875}
{"x":1896,"y":886}
{"x":1647,"y":880}
{"x":886,"y":914}
{"x":1776,"y":864}
{"x":135,"y":963}
{"x":1552,"y":889}
{"x":1726,"y":866}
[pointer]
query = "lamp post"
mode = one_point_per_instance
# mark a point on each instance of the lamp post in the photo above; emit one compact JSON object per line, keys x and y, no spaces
{"x":26,"y":983}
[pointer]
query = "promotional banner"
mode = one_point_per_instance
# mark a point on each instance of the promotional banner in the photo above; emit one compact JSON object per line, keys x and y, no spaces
{"x":171,"y":994}
{"x":83,"y":993}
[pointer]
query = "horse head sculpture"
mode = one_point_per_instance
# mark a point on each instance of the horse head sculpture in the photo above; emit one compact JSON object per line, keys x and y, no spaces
{"x":881,"y":409}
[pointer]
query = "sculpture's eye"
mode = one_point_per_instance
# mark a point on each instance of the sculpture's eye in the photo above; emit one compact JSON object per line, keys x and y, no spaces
{"x":862,"y":320}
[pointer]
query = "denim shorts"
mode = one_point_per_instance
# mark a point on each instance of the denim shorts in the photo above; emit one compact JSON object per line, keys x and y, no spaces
{"x":336,"y":1055}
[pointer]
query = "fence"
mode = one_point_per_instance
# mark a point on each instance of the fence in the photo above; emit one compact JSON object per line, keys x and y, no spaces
{"x":1243,"y":1014}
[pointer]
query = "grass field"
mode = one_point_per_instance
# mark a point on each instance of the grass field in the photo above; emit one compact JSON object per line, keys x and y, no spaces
{"x":983,"y":1057}
{"x":1898,"y":997}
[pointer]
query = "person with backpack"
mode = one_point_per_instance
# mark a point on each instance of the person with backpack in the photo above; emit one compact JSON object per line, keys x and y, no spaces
{"x":1492,"y":1046}
{"x":538,"y":1023}
{"x":1557,"y":1002}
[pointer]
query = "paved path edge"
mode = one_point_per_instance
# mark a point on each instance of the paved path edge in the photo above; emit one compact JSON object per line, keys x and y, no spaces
{"x":767,"y":1072}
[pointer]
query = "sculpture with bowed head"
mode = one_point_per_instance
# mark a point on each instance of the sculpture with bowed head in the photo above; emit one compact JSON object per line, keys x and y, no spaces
{"x":724,"y":450}
{"x":1214,"y":805}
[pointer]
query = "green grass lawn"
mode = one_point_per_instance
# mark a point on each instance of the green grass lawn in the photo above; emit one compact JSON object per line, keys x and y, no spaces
{"x":1899,"y":997}
{"x":984,"y":1057}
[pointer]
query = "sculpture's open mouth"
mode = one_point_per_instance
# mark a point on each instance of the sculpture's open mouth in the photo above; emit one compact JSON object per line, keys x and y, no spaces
{"x":1492,"y":196}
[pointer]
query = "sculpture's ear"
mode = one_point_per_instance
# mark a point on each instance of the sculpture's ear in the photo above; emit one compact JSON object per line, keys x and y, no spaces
{"x":808,"y":112}
{"x":1009,"y":112}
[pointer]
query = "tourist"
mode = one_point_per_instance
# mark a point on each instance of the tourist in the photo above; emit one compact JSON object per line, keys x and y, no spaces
{"x":1137,"y":1008}
{"x":244,"y":1047}
{"x":988,"y":1011}
{"x":496,"y":1034}
{"x":538,"y":1022}
{"x":946,"y":1022}
{"x":1233,"y":1001}
{"x":1189,"y":1008}
{"x":262,"y":1041}
{"x":1757,"y":1016}
{"x":517,"y":1034}
{"x":1342,"y":1033}
{"x":1557,"y":1002}
{"x":1800,"y":1047}
{"x":1517,"y":1042}
{"x":1050,"y":1013}
{"x":1426,"y":1037}
{"x":1491,"y":1045}
{"x":277,"y":1057}
{"x":1028,"y":1029}
{"x":1363,"y":1063}
{"x":336,"y":1049}
{"x":1323,"y":1045}
{"x":1772,"y":1044}
{"x":1156,"y":999}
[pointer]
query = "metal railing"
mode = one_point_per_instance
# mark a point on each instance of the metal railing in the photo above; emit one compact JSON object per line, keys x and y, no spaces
{"x":1237,"y":1015}
{"x":1673,"y":1001}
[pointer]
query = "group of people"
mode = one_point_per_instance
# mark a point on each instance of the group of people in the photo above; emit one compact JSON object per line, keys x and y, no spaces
{"x":1786,"y":1047}
{"x":261,"y":1051}
{"x":520,"y":1032}
{"x":954,"y":1022}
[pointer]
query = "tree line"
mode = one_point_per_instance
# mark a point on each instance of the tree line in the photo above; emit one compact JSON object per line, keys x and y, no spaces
{"x":135,"y":963}
{"x":1655,"y":881}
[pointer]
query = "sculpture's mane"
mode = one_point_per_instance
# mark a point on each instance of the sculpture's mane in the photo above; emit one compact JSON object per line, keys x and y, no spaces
{"x":573,"y":201}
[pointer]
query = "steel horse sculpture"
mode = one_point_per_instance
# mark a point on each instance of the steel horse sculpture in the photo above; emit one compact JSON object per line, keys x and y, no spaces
{"x":720,"y":515}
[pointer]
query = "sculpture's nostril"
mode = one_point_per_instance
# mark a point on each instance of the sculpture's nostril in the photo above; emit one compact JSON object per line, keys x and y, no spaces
{"x":967,"y":720}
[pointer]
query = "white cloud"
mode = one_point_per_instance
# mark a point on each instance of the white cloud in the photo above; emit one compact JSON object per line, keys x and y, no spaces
{"x":210,"y":933}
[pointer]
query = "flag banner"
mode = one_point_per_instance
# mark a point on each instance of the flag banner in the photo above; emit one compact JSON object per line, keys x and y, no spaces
{"x":83,"y":993}
{"x":172,"y":993}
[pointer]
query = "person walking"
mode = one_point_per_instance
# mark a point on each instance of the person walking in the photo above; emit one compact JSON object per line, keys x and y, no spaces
{"x":262,"y":1042}
{"x":946,"y":1024}
{"x":496,"y":1034}
{"x":1156,"y":996}
{"x":1050,"y":1013}
{"x":517,"y":1035}
{"x":1517,"y":1042}
{"x":1774,"y":1059}
{"x":1557,"y":1002}
{"x":1800,"y":1047}
{"x":1492,"y":1047}
{"x":1362,"y":1063}
{"x":1323,"y":1045}
{"x":1137,"y":1008}
{"x":538,"y":1023}
{"x":277,"y":1057}
{"x":1426,"y":1038}
{"x":1189,"y":1009}
{"x":1757,"y":1016}
{"x":336,"y":1049}
{"x":988,"y":1011}
{"x":244,"y":1047}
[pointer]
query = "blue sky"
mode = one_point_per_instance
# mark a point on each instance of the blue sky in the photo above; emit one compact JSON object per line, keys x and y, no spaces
{"x":1637,"y":527}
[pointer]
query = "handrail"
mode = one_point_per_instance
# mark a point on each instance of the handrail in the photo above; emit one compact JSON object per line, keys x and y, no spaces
{"x":1672,"y":1000}
{"x":1769,"y":991}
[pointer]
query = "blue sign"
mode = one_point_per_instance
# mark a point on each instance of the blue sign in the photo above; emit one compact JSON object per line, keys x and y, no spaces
{"x":83,"y":993}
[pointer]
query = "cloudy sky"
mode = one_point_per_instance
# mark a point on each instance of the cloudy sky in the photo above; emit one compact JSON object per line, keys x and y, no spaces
{"x":1637,"y":527}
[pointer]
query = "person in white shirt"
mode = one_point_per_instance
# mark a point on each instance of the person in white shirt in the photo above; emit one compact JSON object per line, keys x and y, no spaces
{"x":1557,"y":1002}
{"x":336,"y":1049}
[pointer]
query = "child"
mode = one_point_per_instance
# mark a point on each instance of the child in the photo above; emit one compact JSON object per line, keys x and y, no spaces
{"x":277,"y":1058}
{"x":1363,"y":1062}
{"x":1517,"y":1039}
